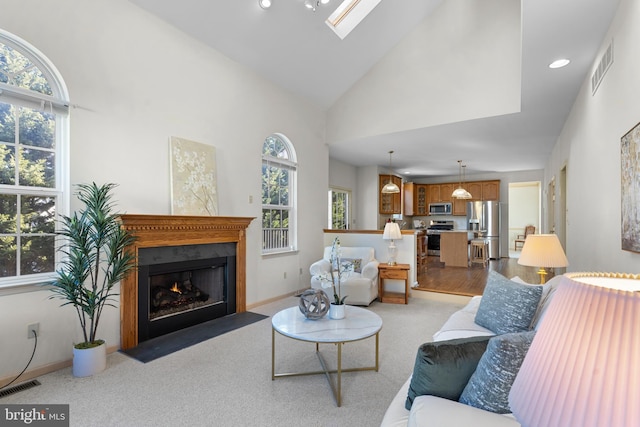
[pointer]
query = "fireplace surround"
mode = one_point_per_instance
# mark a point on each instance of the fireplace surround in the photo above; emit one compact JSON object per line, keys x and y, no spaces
{"x":158,"y":235}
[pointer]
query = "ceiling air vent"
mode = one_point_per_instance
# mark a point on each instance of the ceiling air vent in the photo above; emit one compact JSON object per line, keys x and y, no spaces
{"x":603,"y":66}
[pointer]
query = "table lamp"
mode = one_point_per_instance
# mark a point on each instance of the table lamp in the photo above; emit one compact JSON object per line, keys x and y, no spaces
{"x":582,"y":367}
{"x":392,"y":232}
{"x":542,"y":250}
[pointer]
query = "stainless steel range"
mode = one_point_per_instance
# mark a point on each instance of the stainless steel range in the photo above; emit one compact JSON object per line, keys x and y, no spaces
{"x":433,"y":235}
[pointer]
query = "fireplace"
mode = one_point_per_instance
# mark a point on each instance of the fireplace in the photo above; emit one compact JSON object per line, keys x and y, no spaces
{"x":182,"y":286}
{"x":208,"y":253}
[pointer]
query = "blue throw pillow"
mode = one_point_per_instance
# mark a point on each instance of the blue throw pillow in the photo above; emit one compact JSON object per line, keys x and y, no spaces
{"x":507,"y":306}
{"x":491,"y":383}
{"x":443,"y":368}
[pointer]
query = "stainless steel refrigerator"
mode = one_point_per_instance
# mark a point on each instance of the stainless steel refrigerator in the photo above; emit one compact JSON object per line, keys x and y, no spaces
{"x":485,"y":217}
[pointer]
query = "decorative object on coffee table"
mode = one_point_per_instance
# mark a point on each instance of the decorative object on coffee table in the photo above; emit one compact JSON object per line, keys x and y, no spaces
{"x":314,"y":304}
{"x":336,"y":311}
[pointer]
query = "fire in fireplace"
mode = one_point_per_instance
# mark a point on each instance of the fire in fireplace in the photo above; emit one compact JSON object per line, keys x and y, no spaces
{"x":181,"y":286}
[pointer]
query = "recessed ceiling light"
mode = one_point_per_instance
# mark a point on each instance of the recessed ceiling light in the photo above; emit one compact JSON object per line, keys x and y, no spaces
{"x":559,"y":63}
{"x":265,"y":4}
{"x":324,"y":1}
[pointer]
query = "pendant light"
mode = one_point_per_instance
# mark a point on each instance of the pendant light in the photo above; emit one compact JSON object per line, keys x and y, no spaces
{"x":390,"y":187}
{"x":460,"y":192}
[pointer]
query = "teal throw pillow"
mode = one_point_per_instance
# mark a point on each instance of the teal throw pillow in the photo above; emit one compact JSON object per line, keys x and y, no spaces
{"x":491,"y":383}
{"x":507,"y":306}
{"x":443,"y":368}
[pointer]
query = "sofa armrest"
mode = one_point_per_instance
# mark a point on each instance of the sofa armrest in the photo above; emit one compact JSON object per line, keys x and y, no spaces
{"x":319,"y":267}
{"x":370,"y":270}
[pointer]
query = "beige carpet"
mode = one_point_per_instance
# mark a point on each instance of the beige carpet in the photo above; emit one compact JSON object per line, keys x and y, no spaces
{"x":226,"y":381}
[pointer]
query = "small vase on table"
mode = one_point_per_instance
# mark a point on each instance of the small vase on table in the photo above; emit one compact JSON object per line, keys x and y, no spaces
{"x":336,"y":311}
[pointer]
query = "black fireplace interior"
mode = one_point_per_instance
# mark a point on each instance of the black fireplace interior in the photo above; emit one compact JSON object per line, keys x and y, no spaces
{"x":182,"y":286}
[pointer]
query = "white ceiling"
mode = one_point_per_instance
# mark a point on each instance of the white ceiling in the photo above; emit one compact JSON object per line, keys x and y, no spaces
{"x":293,"y":47}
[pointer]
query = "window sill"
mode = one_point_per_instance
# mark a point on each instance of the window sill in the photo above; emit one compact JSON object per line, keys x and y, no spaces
{"x":279,"y":253}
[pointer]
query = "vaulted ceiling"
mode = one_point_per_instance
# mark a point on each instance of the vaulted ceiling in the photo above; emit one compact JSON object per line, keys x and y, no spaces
{"x":292,"y":47}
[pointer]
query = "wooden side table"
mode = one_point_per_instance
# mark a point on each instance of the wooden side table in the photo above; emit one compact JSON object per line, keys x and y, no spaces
{"x":397,"y":272}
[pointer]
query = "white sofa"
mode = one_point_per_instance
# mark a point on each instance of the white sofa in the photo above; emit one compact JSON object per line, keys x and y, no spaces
{"x":440,"y":412}
{"x":361,"y":285}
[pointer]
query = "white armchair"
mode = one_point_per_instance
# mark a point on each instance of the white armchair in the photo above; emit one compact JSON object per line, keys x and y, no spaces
{"x":361,"y":285}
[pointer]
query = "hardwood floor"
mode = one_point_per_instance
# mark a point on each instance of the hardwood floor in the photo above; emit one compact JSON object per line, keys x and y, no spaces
{"x":470,"y":281}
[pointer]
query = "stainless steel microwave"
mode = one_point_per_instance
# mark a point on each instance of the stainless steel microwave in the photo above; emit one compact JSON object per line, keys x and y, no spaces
{"x":440,"y":208}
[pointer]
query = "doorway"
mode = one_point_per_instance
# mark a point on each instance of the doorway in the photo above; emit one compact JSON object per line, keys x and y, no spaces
{"x":525,"y":208}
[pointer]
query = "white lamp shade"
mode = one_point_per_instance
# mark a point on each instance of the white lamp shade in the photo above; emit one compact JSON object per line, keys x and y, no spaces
{"x":391,"y":231}
{"x":583,"y":367}
{"x":542,"y":250}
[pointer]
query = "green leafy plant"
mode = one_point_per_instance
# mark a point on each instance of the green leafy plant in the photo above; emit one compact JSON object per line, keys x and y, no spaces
{"x":95,"y":258}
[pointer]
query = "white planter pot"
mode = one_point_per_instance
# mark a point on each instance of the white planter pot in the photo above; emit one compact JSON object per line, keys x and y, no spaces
{"x":90,"y":361}
{"x":336,"y":311}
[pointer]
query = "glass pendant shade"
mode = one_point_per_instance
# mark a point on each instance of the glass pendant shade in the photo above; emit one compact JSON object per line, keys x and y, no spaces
{"x":460,"y":192}
{"x":390,"y":187}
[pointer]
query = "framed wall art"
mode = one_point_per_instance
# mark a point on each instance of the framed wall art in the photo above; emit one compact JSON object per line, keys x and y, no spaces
{"x":630,"y":173}
{"x":193,"y":178}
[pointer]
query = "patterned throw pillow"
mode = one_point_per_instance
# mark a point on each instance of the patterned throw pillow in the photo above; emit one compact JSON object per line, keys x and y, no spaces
{"x":491,"y":383}
{"x":507,"y":306}
{"x":443,"y":368}
{"x":356,"y":262}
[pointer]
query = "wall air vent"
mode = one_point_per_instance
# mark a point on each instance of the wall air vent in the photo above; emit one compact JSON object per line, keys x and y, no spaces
{"x":603,"y":66}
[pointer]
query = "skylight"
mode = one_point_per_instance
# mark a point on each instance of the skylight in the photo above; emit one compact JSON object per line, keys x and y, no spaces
{"x":348,"y":15}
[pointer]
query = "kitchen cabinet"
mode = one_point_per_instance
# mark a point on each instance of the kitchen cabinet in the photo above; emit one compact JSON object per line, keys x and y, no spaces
{"x":414,"y":199}
{"x":475,"y":188}
{"x":440,"y":192}
{"x":454,"y":248}
{"x":408,"y":198}
{"x":389,"y":204}
{"x":491,"y":190}
{"x":459,"y":206}
{"x":421,"y":199}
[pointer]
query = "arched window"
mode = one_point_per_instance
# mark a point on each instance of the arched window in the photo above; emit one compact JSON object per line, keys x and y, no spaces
{"x":278,"y":195}
{"x":33,"y":170}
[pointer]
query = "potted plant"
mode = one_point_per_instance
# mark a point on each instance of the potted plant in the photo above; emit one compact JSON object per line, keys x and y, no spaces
{"x":94,"y":260}
{"x":333,"y":280}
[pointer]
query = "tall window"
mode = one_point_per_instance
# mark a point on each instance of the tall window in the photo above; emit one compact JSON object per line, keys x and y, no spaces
{"x":339,"y":207}
{"x":33,"y":122}
{"x":278,"y":195}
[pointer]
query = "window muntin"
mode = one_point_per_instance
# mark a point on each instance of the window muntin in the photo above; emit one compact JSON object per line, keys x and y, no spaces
{"x":339,"y":208}
{"x":278,"y":195}
{"x":33,"y":123}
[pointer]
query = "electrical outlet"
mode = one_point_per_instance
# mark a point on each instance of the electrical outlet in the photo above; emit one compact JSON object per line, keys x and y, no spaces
{"x":34,"y":327}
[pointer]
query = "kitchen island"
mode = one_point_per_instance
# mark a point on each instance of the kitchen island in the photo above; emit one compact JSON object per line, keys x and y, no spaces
{"x":454,"y":248}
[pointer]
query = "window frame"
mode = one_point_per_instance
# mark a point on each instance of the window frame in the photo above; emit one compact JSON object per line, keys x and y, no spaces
{"x":347,"y":193}
{"x":57,"y":104}
{"x":291,"y":165}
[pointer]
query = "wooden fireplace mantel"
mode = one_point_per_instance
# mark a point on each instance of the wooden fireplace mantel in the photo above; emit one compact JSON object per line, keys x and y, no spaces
{"x":173,"y":230}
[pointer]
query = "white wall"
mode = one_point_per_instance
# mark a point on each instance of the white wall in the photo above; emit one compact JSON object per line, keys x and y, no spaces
{"x":345,"y":177}
{"x":590,"y":147}
{"x":135,"y":81}
{"x":474,"y":44}
{"x":524,"y":208}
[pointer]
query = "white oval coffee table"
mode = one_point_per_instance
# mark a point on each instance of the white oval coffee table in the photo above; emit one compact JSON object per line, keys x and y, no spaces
{"x":358,"y":324}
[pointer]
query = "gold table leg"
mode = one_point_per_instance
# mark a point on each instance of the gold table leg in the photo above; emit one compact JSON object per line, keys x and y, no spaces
{"x":337,"y":388}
